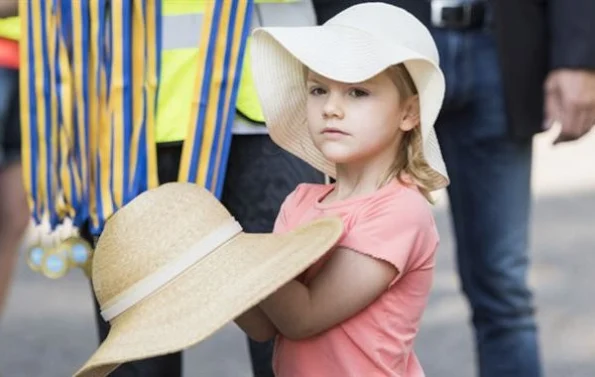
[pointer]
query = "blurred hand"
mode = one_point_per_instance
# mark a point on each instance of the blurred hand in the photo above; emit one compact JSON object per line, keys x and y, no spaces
{"x":570,"y":101}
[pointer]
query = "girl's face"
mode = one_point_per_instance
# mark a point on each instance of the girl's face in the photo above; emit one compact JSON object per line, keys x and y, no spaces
{"x":358,"y":123}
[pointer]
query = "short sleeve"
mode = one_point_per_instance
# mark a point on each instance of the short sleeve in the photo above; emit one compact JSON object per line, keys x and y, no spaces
{"x":292,"y":207}
{"x":282,"y":221}
{"x":400,"y":232}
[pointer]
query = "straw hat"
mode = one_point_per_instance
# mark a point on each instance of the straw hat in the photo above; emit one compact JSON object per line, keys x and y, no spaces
{"x":355,"y":45}
{"x":173,"y":266}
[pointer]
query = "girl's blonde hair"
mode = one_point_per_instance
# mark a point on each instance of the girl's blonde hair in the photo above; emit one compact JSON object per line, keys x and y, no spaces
{"x":409,"y":159}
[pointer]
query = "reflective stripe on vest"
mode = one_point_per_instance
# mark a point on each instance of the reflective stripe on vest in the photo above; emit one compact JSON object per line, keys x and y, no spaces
{"x":181,"y":35}
{"x":10,"y":28}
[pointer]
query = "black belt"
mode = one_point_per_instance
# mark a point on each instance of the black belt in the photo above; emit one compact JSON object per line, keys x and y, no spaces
{"x":456,"y":14}
{"x":448,"y":14}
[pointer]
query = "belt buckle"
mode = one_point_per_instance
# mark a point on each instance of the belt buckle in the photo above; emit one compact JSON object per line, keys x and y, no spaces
{"x":437,"y":7}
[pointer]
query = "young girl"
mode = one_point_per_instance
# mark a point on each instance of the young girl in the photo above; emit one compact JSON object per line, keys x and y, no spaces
{"x":357,"y":98}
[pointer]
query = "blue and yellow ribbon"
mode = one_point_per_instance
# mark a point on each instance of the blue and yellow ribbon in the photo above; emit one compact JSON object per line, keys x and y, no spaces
{"x":125,"y":75}
{"x":225,"y":31}
{"x":77,"y":41}
{"x":146,"y":58}
{"x":46,"y":90}
{"x":88,"y":90}
{"x":153,"y":30}
{"x":29,"y":109}
{"x":39,"y":110}
{"x":102,"y":203}
{"x":70,"y":182}
{"x":236,"y":50}
{"x":138,"y":77}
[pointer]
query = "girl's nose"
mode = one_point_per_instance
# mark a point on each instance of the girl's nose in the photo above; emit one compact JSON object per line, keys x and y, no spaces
{"x":333,"y":107}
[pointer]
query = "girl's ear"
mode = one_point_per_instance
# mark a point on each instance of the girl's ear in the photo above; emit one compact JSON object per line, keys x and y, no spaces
{"x":410,"y":115}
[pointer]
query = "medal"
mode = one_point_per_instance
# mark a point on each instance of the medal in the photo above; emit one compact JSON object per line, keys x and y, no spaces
{"x":79,"y":253}
{"x":55,"y":262}
{"x":38,"y":246}
{"x":77,"y":249}
{"x":35,"y":255}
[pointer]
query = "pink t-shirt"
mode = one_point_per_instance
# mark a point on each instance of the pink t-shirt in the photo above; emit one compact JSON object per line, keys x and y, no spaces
{"x":394,"y":224}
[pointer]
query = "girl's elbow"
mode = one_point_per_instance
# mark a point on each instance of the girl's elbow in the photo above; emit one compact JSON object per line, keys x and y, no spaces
{"x":299,"y":332}
{"x":263,"y":336}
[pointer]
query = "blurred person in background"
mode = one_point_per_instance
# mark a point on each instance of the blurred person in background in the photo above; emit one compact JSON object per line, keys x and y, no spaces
{"x":14,"y":211}
{"x":259,"y":174}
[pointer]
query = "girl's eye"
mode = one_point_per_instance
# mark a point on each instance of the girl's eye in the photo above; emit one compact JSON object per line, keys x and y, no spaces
{"x":317,"y":91}
{"x":358,"y":93}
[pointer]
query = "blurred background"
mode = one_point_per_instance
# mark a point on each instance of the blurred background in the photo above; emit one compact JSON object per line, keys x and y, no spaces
{"x":47,"y":328}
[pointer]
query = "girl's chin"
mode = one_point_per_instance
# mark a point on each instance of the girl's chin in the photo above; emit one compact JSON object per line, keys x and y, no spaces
{"x":339,"y":154}
{"x":338,"y":158}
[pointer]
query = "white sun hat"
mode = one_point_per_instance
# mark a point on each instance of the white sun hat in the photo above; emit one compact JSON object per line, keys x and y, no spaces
{"x":355,"y":45}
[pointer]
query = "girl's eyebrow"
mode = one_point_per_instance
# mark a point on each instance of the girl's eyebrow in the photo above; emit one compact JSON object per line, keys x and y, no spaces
{"x":315,"y":84}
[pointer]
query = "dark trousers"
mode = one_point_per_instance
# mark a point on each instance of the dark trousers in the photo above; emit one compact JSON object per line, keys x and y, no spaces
{"x":259,"y":177}
{"x":490,"y":196}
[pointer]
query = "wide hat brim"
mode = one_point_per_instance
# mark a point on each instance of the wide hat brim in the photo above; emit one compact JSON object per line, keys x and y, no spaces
{"x":340,"y":53}
{"x":211,"y":293}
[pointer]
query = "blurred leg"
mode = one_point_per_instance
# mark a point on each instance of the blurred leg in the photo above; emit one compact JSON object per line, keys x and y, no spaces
{"x":14,"y":211}
{"x":14,"y":217}
{"x":490,"y":196}
{"x":259,"y":177}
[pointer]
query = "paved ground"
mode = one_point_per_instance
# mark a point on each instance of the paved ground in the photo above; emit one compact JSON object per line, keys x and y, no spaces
{"x":47,"y":330}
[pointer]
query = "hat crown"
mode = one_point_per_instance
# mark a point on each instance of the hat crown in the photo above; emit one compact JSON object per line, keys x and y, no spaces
{"x":150,"y":231}
{"x":390,"y":24}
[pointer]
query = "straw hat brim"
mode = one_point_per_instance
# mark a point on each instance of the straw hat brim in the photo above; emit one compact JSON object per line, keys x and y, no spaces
{"x":340,"y":53}
{"x":198,"y":302}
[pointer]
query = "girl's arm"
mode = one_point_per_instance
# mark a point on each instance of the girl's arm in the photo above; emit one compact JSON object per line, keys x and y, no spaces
{"x":256,"y":325}
{"x":348,"y":283}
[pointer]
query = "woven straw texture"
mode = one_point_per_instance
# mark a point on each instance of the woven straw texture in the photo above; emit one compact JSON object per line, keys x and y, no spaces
{"x":155,"y":229}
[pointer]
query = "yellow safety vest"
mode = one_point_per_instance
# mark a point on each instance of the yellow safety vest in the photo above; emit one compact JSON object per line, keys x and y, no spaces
{"x":10,"y":28}
{"x":181,"y":34}
{"x":181,"y":28}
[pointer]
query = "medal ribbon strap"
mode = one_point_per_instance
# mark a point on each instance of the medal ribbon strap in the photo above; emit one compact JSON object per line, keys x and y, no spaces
{"x":127,"y":47}
{"x":139,"y":111}
{"x":39,"y":112}
{"x":120,"y":99}
{"x":237,"y":37}
{"x":146,"y":31}
{"x":70,"y":185}
{"x":223,"y":38}
{"x":153,"y":29}
{"x":50,"y":95}
{"x":193,"y":141}
{"x":102,"y":130}
{"x":89,"y":97}
{"x":30,"y":111}
{"x":96,"y":18}
{"x":80,"y":70}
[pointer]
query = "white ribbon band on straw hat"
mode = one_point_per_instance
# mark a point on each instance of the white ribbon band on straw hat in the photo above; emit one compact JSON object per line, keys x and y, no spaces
{"x":151,"y":283}
{"x":173,"y":266}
